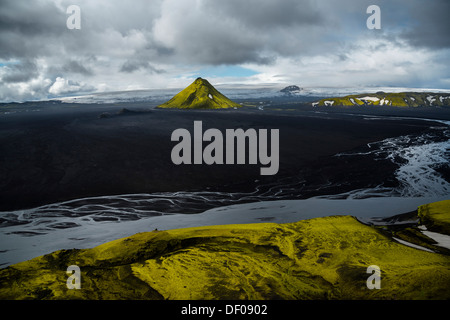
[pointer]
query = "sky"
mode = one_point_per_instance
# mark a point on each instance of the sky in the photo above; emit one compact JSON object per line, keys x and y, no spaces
{"x":152,"y":44}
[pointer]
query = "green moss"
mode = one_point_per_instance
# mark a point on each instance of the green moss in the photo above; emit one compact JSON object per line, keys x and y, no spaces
{"x":414,"y":236}
{"x":401,"y":99}
{"x":199,"y":95}
{"x":436,"y":216}
{"x":322,"y":258}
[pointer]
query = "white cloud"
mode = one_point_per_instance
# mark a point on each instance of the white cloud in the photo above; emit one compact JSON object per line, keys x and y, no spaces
{"x":35,"y":89}
{"x":64,"y":86}
{"x":369,"y":63}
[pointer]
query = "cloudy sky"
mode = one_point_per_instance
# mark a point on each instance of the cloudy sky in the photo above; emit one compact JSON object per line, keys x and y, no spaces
{"x":144,"y":44}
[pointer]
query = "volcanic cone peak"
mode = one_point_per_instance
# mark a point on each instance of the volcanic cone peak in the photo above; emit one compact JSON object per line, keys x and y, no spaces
{"x":199,"y":95}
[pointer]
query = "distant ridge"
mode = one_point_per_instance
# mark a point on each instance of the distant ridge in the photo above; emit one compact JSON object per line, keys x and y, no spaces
{"x":291,"y":89}
{"x":401,"y":99}
{"x":199,"y":95}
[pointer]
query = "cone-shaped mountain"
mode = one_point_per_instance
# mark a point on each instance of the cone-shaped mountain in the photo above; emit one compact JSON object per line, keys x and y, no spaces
{"x":199,"y":95}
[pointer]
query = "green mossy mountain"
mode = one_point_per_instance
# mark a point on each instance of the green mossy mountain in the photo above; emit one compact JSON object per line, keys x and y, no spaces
{"x":402,"y":99}
{"x":321,"y":258}
{"x":199,"y":95}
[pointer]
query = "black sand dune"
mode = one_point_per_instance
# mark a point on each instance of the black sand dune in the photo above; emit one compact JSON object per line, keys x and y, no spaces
{"x":73,"y":152}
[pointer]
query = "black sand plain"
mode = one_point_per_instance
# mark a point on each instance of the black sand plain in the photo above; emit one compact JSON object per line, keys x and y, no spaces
{"x":70,"y":151}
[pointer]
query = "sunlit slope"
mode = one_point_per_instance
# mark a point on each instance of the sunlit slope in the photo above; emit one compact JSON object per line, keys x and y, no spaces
{"x":199,"y":95}
{"x":436,"y":216}
{"x":322,"y":258}
{"x":402,"y":99}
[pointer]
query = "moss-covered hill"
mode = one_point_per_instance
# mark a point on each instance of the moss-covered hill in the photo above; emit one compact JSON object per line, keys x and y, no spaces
{"x":199,"y":95}
{"x":322,"y":258}
{"x":436,"y":216}
{"x":403,"y":99}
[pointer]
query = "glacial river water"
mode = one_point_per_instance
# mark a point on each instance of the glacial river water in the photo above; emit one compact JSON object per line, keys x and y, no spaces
{"x":84,"y":223}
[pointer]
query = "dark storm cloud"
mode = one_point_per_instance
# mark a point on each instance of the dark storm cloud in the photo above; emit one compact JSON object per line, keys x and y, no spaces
{"x":268,"y":14}
{"x":134,"y":65}
{"x":214,"y":31}
{"x":430,"y":24}
{"x":73,"y":66}
{"x":29,"y":17}
{"x":80,"y":66}
{"x":20,"y":72}
{"x":26,"y":27}
{"x":233,"y":32}
{"x":142,"y":43}
{"x":421,"y":23}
